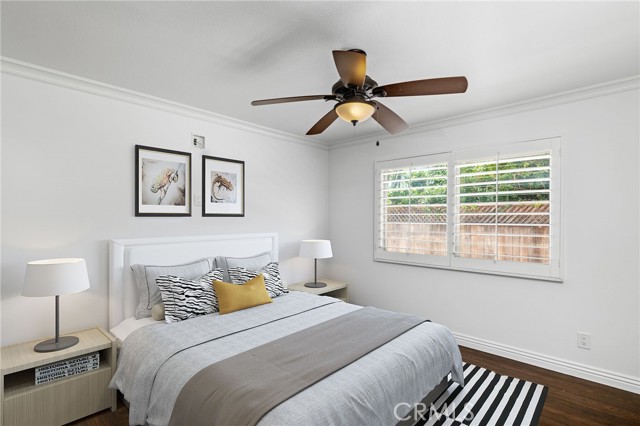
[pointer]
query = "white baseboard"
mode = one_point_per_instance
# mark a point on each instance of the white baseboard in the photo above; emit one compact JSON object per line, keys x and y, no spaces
{"x":605,"y":377}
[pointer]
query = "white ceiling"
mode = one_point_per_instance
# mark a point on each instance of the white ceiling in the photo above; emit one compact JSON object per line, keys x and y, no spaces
{"x":219,"y":56}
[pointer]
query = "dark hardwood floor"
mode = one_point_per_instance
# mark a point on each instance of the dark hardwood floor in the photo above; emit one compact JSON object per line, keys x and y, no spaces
{"x":570,"y":401}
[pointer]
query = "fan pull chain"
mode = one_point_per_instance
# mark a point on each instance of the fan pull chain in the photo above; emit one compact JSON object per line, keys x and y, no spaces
{"x":378,"y":123}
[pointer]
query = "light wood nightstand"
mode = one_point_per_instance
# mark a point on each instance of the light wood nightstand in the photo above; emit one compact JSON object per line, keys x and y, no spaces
{"x":60,"y":401}
{"x":336,"y":289}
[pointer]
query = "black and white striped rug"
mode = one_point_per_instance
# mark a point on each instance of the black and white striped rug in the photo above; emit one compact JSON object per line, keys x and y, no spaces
{"x":487,"y":399}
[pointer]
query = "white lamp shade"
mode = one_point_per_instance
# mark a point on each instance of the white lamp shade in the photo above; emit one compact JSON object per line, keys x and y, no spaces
{"x":53,"y":277}
{"x":316,"y":249}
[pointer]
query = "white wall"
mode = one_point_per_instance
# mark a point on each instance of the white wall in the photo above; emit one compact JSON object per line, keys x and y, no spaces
{"x":511,"y":316}
{"x":68,"y":187}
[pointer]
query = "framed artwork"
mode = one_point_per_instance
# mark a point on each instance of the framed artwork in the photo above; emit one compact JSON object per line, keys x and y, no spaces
{"x":163,"y":182}
{"x":222,"y":187}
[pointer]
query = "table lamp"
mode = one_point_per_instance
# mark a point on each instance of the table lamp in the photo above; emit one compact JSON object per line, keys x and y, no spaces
{"x":53,"y":277}
{"x":315,"y":249}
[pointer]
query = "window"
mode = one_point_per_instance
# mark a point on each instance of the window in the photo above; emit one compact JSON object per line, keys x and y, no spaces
{"x":493,"y":210}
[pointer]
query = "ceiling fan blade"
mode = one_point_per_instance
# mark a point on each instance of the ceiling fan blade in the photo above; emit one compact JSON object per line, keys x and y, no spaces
{"x":323,"y":123}
{"x":432,"y":86}
{"x":388,"y":119}
{"x":352,"y":67}
{"x":292,"y":99}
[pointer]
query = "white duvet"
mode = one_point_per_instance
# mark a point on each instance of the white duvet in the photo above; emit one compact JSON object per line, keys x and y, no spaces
{"x":157,"y":360}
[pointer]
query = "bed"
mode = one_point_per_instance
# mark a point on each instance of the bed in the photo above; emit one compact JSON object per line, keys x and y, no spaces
{"x":157,"y":360}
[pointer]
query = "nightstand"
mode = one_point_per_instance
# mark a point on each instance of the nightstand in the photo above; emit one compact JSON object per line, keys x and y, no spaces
{"x":336,"y":289}
{"x":59,"y":401}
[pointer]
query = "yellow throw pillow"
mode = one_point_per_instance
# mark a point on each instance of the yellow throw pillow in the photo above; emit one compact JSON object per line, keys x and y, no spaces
{"x":234,"y":297}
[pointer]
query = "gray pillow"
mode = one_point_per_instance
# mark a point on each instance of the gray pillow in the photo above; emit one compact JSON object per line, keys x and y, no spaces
{"x":252,"y":263}
{"x":146,"y":275}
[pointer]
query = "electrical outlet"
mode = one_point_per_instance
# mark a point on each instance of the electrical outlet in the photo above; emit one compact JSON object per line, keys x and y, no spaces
{"x":584,"y":340}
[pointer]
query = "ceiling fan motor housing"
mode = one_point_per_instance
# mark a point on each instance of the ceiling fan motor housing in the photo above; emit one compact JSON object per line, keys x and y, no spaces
{"x":343,"y":92}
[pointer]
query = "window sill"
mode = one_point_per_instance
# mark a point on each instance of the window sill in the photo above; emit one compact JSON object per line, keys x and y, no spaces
{"x":472,"y":270}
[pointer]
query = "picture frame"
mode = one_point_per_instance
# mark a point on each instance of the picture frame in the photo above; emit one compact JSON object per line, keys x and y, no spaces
{"x":163,"y":182}
{"x":222,"y":186}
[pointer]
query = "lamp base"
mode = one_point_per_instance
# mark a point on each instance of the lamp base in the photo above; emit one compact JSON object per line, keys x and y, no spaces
{"x":51,"y":345}
{"x":316,"y":284}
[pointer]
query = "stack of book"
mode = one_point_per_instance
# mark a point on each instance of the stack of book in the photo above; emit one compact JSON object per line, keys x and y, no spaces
{"x":68,"y":367}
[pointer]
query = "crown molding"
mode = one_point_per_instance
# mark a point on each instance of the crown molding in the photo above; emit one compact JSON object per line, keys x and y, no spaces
{"x":70,"y":81}
{"x":74,"y":82}
{"x":603,"y":89}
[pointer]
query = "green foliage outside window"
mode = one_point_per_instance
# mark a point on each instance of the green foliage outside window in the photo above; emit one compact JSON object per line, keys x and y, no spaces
{"x":429,"y":186}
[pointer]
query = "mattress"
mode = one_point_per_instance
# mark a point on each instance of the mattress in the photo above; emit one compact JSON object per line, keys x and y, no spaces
{"x":155,"y":363}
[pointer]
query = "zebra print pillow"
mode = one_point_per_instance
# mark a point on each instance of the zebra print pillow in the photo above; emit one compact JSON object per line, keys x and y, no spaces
{"x":184,"y":298}
{"x":272,"y":280}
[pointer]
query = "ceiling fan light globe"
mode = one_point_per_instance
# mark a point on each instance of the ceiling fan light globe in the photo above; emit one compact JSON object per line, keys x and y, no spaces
{"x":357,"y":111}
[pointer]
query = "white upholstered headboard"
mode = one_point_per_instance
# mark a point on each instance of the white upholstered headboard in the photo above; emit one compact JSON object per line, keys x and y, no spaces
{"x":123,"y":297}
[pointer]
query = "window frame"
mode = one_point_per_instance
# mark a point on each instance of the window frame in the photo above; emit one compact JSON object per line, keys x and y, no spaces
{"x":548,"y":272}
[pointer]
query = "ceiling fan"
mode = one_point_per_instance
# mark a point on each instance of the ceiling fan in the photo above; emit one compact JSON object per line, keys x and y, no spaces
{"x":355,"y":90}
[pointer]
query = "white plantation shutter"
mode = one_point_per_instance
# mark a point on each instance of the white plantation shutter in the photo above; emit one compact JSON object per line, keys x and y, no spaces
{"x":502,"y":208}
{"x":493,"y":210}
{"x":412,"y":210}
